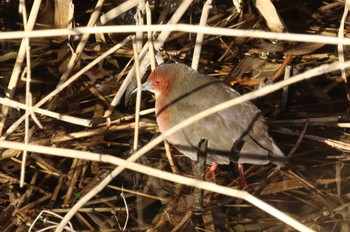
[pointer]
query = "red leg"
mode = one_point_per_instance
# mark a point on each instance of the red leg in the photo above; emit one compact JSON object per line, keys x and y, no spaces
{"x":242,"y":176}
{"x":211,"y":171}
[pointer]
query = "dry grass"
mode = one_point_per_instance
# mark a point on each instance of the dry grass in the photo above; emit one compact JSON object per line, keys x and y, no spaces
{"x":71,"y":131}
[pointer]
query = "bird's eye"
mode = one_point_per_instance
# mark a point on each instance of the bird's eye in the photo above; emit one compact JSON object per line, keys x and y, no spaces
{"x":156,"y":81}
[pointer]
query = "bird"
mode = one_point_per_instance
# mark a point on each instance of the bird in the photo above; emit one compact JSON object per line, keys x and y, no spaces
{"x":237,"y":134}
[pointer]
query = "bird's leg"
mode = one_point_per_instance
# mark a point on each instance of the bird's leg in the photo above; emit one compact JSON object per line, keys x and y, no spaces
{"x":211,"y":172}
{"x":235,"y":150}
{"x":242,"y":176}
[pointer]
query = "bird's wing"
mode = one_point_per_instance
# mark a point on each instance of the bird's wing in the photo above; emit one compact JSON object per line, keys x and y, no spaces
{"x":207,"y":128}
{"x":224,"y":128}
{"x":249,"y":118}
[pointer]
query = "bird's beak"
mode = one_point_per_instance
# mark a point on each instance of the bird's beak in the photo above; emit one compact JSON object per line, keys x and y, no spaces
{"x":144,"y":87}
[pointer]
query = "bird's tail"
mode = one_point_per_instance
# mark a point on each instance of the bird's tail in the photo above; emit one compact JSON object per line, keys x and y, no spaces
{"x":277,"y":156}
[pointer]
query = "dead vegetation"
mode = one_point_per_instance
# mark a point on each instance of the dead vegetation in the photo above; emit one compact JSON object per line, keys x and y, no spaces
{"x":82,"y":85}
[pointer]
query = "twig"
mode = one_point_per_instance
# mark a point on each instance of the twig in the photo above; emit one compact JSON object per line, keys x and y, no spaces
{"x":138,"y":94}
{"x":139,"y":22}
{"x":70,"y":228}
{"x":237,"y":4}
{"x":199,"y":167}
{"x":341,"y":46}
{"x":199,"y":40}
{"x":330,"y":142}
{"x":115,"y":12}
{"x":170,"y":158}
{"x":321,"y":120}
{"x":28,"y":95}
{"x":300,"y":139}
{"x":126,"y":210}
{"x":339,"y":165}
{"x":149,"y":37}
{"x":177,"y":27}
{"x":58,"y":116}
{"x":137,"y":193}
{"x":285,"y":89}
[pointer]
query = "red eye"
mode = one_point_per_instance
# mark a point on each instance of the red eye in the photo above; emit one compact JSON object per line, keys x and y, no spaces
{"x":156,"y":81}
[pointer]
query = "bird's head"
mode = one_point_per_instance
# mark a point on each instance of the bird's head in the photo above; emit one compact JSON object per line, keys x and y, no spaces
{"x":158,"y":82}
{"x":170,"y":80}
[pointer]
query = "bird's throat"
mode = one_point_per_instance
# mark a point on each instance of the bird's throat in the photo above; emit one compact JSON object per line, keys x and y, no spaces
{"x":162,"y":114}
